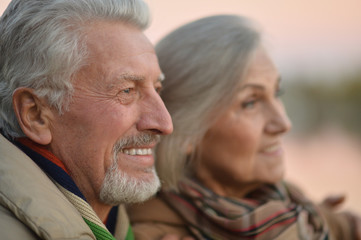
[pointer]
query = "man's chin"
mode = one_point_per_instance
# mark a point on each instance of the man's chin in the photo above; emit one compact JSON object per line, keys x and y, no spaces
{"x":120,"y":188}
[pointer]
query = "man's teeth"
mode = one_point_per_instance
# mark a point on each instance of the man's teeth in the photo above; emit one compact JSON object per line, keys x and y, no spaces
{"x":138,"y":151}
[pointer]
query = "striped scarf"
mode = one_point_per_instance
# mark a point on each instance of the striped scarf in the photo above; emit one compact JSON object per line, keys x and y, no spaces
{"x":56,"y":170}
{"x":269,"y":212}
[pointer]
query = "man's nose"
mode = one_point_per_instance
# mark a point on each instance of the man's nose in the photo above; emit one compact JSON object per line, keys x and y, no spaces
{"x":155,"y":116}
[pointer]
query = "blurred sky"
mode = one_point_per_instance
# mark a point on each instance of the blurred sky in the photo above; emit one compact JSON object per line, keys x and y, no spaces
{"x":305,"y":37}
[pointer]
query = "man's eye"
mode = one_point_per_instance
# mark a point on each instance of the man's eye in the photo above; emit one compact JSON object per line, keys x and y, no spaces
{"x":127,"y":90}
{"x":127,"y":95}
{"x":158,"y":89}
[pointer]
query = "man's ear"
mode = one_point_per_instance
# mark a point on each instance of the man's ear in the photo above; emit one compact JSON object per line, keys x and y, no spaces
{"x":33,"y":115}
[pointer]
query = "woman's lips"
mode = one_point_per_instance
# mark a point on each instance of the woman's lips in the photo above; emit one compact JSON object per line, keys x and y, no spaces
{"x":272,"y":150}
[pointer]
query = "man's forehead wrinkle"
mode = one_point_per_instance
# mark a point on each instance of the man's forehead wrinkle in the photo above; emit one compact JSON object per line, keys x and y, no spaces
{"x":141,"y":53}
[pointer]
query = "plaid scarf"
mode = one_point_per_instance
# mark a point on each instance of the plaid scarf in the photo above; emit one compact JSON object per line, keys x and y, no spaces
{"x":56,"y":170}
{"x":265,"y":213}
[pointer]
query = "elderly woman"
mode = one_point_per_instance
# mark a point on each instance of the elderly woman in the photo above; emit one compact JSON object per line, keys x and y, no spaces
{"x":223,"y":166}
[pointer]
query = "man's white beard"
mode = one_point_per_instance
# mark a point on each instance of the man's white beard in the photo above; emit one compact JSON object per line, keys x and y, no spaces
{"x":118,"y":187}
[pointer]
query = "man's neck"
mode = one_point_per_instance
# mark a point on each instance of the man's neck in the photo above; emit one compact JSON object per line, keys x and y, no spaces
{"x":102,"y":210}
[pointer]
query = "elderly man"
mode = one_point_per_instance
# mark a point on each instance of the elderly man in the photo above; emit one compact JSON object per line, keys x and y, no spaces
{"x":79,"y":116}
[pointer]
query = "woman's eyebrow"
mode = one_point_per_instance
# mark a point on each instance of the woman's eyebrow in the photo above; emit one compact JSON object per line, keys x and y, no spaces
{"x":258,"y":86}
{"x":251,"y":85}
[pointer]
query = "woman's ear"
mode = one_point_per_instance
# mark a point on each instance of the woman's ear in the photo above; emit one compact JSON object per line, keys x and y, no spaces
{"x":189,"y":147}
{"x":33,"y":114}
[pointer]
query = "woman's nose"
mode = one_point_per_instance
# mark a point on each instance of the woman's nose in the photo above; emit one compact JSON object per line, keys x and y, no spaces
{"x":279,"y":121}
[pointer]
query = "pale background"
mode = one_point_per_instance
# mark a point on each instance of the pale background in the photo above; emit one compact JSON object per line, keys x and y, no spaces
{"x":318,"y":40}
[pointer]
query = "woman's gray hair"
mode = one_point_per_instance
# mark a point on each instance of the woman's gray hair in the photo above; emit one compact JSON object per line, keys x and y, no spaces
{"x":203,"y":63}
{"x":42,"y":47}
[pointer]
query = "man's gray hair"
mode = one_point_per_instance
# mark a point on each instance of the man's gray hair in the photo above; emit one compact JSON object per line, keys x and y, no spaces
{"x":203,"y":63}
{"x":42,"y":47}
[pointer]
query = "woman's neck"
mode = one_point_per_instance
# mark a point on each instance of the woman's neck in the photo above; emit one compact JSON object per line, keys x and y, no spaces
{"x":227,"y":188}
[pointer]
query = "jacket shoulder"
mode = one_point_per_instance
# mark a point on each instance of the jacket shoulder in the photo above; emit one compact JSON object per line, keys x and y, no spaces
{"x":30,"y":201}
{"x":12,"y":228}
{"x":154,"y":219}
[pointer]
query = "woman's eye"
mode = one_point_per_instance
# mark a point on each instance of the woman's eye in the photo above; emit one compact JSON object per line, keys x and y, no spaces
{"x":280,"y":92}
{"x":249,"y":104}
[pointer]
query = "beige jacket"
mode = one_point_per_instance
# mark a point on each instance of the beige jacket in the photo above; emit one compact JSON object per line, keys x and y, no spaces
{"x":32,"y":207}
{"x":154,"y":219}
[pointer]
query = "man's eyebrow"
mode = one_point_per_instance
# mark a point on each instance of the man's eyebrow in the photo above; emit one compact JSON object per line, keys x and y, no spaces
{"x":161,"y":77}
{"x":131,"y":77}
{"x":119,"y":79}
{"x":134,"y":77}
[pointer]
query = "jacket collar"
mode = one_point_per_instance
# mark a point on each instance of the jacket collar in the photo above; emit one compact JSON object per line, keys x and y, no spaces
{"x":34,"y":199}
